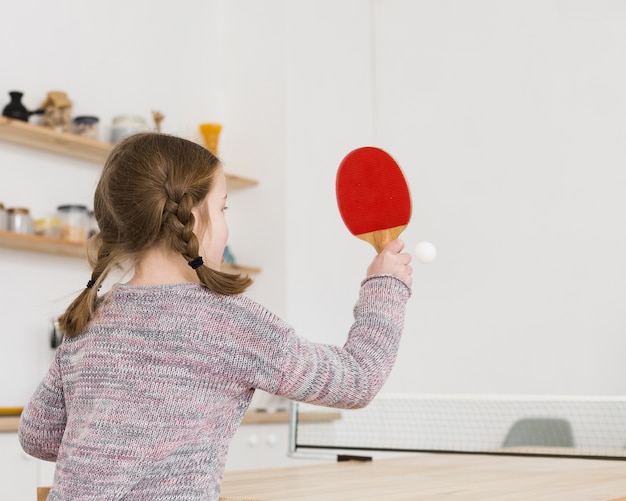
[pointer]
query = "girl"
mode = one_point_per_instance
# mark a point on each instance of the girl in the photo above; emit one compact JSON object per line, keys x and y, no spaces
{"x":154,"y":376}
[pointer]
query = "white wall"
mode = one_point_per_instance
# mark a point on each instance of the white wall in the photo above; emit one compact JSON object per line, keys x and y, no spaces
{"x":509,"y":120}
{"x":506,"y":116}
{"x":329,"y":113}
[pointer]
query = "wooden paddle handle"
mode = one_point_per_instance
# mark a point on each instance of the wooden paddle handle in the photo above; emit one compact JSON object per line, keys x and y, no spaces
{"x":379,"y":239}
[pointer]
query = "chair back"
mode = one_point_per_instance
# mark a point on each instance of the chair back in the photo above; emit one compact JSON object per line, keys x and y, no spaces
{"x":541,"y":432}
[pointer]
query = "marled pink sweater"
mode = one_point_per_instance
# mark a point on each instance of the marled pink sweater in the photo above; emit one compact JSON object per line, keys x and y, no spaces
{"x":143,"y":404}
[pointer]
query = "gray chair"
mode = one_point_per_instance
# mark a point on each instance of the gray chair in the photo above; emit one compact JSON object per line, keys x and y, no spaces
{"x":543,"y":432}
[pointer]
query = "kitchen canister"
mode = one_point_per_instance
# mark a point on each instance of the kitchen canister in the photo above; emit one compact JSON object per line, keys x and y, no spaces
{"x":86,"y":126}
{"x":20,"y":220}
{"x":4,"y":218}
{"x":75,"y":222}
{"x":127,"y":125}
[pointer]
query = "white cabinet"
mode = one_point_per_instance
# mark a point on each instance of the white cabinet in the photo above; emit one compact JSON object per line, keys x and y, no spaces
{"x":45,"y":473}
{"x":257,"y":446}
{"x":18,"y":471}
{"x":20,"y":474}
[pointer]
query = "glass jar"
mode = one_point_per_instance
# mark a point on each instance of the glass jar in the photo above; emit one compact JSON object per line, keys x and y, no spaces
{"x":86,"y":126}
{"x":127,"y":125}
{"x":50,"y":227}
{"x":92,"y":225}
{"x":20,"y":220}
{"x":75,"y":222}
{"x":4,"y":218}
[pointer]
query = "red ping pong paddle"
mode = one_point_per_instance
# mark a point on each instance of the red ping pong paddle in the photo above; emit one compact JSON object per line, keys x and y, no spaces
{"x":373,"y":196}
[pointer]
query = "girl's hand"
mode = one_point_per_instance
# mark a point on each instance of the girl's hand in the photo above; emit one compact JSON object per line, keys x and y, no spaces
{"x":393,"y":261}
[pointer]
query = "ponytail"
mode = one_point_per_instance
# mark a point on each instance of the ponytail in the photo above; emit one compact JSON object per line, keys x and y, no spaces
{"x":81,"y":310}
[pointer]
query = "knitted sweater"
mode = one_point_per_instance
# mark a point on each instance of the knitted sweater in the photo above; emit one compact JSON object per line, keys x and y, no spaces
{"x":143,"y":404}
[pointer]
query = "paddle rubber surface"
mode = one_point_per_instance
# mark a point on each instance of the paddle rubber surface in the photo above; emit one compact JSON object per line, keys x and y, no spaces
{"x":372,"y":193}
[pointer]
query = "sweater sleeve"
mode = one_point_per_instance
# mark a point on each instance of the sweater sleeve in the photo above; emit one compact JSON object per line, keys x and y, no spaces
{"x":352,"y":375}
{"x":42,"y":423}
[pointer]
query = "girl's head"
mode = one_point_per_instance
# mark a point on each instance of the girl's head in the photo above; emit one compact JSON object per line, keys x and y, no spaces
{"x":156,"y":190}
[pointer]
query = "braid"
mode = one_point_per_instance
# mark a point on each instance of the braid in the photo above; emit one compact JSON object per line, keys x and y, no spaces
{"x":180,"y":222}
{"x":189,"y":241}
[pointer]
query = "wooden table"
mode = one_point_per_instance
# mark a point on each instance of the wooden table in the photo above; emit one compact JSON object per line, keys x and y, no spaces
{"x":436,"y":477}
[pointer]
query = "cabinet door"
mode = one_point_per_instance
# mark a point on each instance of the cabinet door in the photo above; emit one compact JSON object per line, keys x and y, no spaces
{"x":258,"y":446}
{"x":45,"y":472}
{"x":18,"y":471}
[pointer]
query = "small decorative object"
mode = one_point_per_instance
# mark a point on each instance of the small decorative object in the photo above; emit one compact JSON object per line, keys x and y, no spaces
{"x":93,"y":224}
{"x":56,"y":338}
{"x":211,"y":134}
{"x":58,"y":111}
{"x":16,"y":110}
{"x":126,"y":125}
{"x":4,"y":218}
{"x":158,"y":118}
{"x":86,"y":126}
{"x":229,"y":258}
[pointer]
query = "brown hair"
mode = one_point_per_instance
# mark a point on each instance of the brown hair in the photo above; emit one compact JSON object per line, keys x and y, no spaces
{"x":149,"y":185}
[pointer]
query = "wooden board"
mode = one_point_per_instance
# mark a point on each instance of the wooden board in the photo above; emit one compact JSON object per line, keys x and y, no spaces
{"x":9,"y":423}
{"x":42,"y":495}
{"x":436,"y":477}
{"x":257,"y":417}
{"x":433,"y":477}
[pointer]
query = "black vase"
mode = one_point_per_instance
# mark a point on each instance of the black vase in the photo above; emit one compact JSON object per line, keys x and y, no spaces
{"x":15,"y":109}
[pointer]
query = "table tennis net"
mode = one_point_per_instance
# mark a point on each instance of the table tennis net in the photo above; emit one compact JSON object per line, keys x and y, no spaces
{"x":582,"y":426}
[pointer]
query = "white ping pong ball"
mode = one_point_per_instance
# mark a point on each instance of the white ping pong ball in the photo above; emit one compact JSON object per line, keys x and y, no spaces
{"x":425,"y":252}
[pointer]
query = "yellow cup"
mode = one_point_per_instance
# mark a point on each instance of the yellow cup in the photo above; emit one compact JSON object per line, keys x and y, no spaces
{"x":211,"y":134}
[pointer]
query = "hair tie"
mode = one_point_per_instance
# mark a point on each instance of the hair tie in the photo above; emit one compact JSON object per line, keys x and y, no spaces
{"x":91,"y":283}
{"x":196,"y":262}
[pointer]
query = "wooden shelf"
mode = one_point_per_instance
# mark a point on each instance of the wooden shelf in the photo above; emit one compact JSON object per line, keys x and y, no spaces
{"x":61,"y":143}
{"x":45,"y":245}
{"x":236,"y":269}
{"x":237,"y":182}
{"x":59,"y":247}
{"x":71,"y":145}
{"x":10,"y":423}
{"x":260,"y":417}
